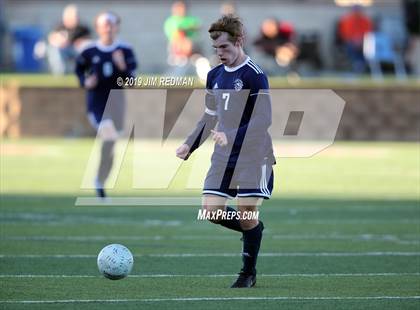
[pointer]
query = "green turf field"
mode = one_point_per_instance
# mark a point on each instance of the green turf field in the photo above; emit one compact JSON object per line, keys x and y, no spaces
{"x":342,"y":232}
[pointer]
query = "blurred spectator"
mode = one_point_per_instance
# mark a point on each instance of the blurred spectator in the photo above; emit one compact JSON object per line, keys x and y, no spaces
{"x":351,"y":29}
{"x":228,"y":8}
{"x":181,"y":31}
{"x":381,"y":50}
{"x":65,"y":40}
{"x":309,"y":58}
{"x":276,"y":42}
{"x":269,"y":38}
{"x":412,"y":22}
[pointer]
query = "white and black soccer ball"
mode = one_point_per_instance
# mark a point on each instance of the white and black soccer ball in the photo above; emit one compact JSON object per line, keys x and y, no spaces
{"x":115,"y":261}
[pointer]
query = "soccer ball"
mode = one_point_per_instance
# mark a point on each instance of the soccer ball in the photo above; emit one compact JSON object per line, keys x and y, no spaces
{"x":115,"y":261}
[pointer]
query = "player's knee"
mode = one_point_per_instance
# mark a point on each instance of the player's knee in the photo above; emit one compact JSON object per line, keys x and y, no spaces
{"x":214,"y":206}
{"x":213,"y":212}
{"x":247,"y":224}
{"x":249,"y":216}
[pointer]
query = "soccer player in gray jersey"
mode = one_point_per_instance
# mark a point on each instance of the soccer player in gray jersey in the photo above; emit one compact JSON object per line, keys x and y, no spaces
{"x":238,"y":101}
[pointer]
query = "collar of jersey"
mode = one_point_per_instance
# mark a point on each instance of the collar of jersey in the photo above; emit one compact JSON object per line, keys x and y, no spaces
{"x":106,"y":48}
{"x":232,"y":69}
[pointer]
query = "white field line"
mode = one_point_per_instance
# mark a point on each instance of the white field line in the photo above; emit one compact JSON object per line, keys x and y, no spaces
{"x":54,"y":219}
{"x":151,"y":300}
{"x":140,"y":201}
{"x":290,"y":254}
{"x":280,"y":275}
{"x":360,"y":237}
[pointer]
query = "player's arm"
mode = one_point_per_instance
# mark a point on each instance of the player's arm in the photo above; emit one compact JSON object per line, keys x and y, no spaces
{"x":82,"y":67}
{"x":202,"y":131}
{"x":125,"y":61}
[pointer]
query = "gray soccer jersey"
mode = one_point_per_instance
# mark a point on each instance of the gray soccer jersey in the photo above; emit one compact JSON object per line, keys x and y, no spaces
{"x":238,"y":101}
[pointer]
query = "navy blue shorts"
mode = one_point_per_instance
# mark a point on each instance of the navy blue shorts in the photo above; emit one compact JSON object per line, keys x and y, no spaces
{"x":249,"y":181}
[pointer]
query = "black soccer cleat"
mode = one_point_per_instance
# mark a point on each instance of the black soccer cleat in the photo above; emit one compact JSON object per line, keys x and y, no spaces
{"x":245,"y":280}
{"x":100,"y":193}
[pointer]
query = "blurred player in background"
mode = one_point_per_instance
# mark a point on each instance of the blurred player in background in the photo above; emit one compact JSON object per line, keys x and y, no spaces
{"x":241,"y":164}
{"x":98,"y":66}
{"x":65,"y":40}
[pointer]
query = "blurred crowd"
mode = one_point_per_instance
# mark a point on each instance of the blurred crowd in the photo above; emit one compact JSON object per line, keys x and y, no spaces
{"x":66,"y":40}
{"x":362,"y":44}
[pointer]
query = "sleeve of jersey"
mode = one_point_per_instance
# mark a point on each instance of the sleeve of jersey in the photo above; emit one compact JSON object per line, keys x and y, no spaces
{"x":257,"y":125}
{"x":80,"y":69}
{"x":205,"y":125}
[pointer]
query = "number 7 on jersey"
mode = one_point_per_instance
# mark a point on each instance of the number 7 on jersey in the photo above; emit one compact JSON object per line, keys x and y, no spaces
{"x":226,"y":97}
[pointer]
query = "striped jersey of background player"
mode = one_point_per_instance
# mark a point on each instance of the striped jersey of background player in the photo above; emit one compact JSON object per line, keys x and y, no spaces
{"x":98,"y":67}
{"x":238,"y":100}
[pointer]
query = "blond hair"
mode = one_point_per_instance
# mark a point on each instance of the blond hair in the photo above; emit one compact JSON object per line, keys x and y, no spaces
{"x":111,"y":16}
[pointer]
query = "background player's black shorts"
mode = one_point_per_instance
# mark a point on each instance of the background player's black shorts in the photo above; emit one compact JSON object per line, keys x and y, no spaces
{"x":248,"y":181}
{"x":114,"y":110}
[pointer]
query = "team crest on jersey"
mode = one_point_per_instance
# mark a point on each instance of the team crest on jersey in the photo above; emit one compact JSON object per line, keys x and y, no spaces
{"x":238,"y":84}
{"x":107,"y":69}
{"x":96,"y":59}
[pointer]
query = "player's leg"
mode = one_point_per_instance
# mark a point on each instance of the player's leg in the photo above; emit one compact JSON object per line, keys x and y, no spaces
{"x":105,"y":166}
{"x":250,"y":195}
{"x":232,"y":223}
{"x":107,"y":133}
{"x":251,"y":238}
{"x":217,"y":189}
{"x":213,"y":203}
{"x":109,"y":130}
